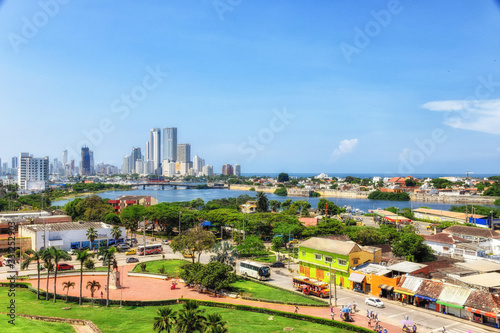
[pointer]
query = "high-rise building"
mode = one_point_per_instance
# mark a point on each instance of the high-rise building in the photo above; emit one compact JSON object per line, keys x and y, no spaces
{"x":14,"y":164}
{"x":72,"y":170}
{"x":227,"y":169}
{"x":65,"y":157}
{"x":154,"y":149}
{"x":198,"y":164}
{"x":85,"y":168}
{"x":208,"y":170}
{"x":170,"y":144}
{"x":184,"y":152}
{"x":135,"y":156}
{"x":33,"y":173}
{"x":237,"y":170}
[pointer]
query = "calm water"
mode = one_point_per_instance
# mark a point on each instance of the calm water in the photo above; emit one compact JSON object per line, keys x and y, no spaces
{"x":170,"y":195}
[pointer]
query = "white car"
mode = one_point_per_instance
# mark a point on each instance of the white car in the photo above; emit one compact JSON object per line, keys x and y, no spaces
{"x":373,"y":301}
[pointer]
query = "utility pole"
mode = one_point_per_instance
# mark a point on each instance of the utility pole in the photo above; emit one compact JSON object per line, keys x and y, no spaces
{"x":330,"y":287}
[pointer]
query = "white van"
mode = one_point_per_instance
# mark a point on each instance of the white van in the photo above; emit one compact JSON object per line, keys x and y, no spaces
{"x":8,"y":261}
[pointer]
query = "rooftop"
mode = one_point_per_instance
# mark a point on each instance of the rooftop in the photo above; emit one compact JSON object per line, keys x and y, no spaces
{"x":472,"y":231}
{"x":480,"y":266}
{"x":445,"y":238}
{"x":490,"y":280}
{"x":331,"y":245}
{"x":445,"y":213}
{"x":68,"y":226}
{"x":406,"y":267}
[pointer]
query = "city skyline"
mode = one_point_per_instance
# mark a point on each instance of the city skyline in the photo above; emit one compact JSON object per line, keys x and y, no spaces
{"x":386,"y":87}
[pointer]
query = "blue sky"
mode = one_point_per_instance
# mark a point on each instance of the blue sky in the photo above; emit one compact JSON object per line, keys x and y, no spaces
{"x":326,"y":86}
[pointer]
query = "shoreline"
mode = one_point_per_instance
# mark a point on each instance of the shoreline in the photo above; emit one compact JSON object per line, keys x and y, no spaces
{"x":85,"y":194}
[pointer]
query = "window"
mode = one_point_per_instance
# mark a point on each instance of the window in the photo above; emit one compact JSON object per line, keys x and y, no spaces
{"x":318,"y":257}
{"x":342,"y":262}
{"x":446,"y":248}
{"x":328,"y":259}
{"x":355,"y":261}
{"x":303,"y":253}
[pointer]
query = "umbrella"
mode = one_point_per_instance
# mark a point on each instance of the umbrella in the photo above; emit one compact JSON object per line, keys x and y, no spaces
{"x":345,"y":310}
{"x":407,"y":322}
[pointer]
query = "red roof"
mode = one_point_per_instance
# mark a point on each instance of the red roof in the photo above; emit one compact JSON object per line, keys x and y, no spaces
{"x":445,"y":238}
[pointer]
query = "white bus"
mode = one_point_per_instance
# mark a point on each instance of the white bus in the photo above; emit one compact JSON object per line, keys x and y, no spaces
{"x":150,"y":249}
{"x":256,"y":270}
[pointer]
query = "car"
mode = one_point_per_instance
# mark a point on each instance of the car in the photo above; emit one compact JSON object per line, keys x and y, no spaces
{"x":8,"y":261}
{"x":64,"y":267}
{"x":277,"y":264}
{"x":123,"y":246}
{"x":131,"y":260}
{"x":294,"y":241}
{"x":166,"y":242}
{"x":373,"y":301}
{"x":72,"y":251}
{"x":130,"y":252}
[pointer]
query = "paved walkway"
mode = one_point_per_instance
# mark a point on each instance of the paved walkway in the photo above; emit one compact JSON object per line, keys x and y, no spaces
{"x":142,"y":289}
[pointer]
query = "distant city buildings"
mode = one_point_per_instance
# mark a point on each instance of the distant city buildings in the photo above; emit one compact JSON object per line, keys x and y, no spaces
{"x":170,"y":144}
{"x":227,"y":169}
{"x":85,"y":167}
{"x":237,"y":170}
{"x":33,"y":172}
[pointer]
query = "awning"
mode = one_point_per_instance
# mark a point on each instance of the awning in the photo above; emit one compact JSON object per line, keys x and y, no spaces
{"x":450,"y":304}
{"x":386,"y":287}
{"x":484,"y":313}
{"x":357,"y":278}
{"x":426,"y":298}
{"x":409,"y":293}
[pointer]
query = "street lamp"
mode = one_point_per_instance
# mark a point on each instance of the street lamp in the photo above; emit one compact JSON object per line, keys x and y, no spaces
{"x":334,"y":283}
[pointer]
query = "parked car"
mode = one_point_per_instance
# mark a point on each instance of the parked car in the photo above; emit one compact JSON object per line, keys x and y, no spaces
{"x":294,"y":241}
{"x":166,"y":242}
{"x":64,"y":267}
{"x":123,"y":246}
{"x":8,"y":261}
{"x":131,"y":260}
{"x":71,"y":251}
{"x":373,"y":301}
{"x":130,"y":252}
{"x":277,"y":264}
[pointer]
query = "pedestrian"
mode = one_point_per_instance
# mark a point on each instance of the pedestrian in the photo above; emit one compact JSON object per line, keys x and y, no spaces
{"x":369,"y":322}
{"x":385,"y":330}
{"x":444,"y":330}
{"x":371,"y":314}
{"x":367,"y":314}
{"x":333,"y":315}
{"x":376,"y":315}
{"x":354,"y":305}
{"x":331,"y":308}
{"x":102,"y":294}
{"x":296,"y":310}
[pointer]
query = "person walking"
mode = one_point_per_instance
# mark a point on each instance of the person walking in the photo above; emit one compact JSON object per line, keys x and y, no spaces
{"x":367,"y":314}
{"x":333,"y":315}
{"x":296,"y":310}
{"x":354,"y":305}
{"x":444,"y":330}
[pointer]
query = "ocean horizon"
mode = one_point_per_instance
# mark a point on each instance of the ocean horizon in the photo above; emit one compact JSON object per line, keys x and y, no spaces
{"x":368,"y":174}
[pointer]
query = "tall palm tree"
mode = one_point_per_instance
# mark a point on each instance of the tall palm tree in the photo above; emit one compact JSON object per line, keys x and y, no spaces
{"x":57,"y":255}
{"x":108,"y":255}
{"x":93,"y":285}
{"x":82,"y":256}
{"x":190,"y":318}
{"x":91,"y":236}
{"x":262,"y":202}
{"x":165,"y":320}
{"x":49,"y":265}
{"x":116,"y":233}
{"x":215,"y":324}
{"x":34,"y":256}
{"x":67,"y":285}
{"x":224,"y":253}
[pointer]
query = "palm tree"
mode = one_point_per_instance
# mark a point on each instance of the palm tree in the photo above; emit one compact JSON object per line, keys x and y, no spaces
{"x":93,"y":285}
{"x":34,"y":256}
{"x":57,"y":255}
{"x":47,"y":262}
{"x":91,"y":236}
{"x":108,"y":255}
{"x":165,"y":320}
{"x":190,"y":318}
{"x":262,"y":202}
{"x":82,"y":256}
{"x":224,"y":253}
{"x":116,"y":233}
{"x":214,"y":324}
{"x":67,"y":285}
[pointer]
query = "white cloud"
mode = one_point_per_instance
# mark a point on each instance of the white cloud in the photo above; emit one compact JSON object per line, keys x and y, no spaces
{"x":474,"y":115}
{"x":345,"y":146}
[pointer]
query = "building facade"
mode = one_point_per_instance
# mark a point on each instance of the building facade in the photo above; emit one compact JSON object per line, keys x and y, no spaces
{"x":184,"y":153}
{"x":227,"y":169}
{"x":33,"y":173}
{"x":170,"y":144}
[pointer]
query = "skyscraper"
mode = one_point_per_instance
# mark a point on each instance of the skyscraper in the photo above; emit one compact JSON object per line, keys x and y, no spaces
{"x":154,"y":149}
{"x":198,"y":164}
{"x":227,"y":169}
{"x":135,"y":156}
{"x":184,"y":152}
{"x":170,"y":144}
{"x":65,"y":157}
{"x":14,"y":164}
{"x":33,"y":173}
{"x":85,"y":163}
{"x":237,"y":170}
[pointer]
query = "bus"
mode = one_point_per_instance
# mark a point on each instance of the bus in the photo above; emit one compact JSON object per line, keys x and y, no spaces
{"x":311,"y":287}
{"x":256,"y":270}
{"x":150,"y":249}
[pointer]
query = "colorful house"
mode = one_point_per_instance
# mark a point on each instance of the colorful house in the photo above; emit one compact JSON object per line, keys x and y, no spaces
{"x":320,"y":256}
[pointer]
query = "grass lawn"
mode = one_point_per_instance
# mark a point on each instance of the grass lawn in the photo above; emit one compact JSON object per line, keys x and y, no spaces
{"x":27,"y":325}
{"x":172,"y":267}
{"x":257,"y":290}
{"x":140,"y":319}
{"x":268,"y":258}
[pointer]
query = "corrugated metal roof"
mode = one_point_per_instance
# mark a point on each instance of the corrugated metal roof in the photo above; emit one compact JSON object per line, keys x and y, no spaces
{"x":454,"y":294}
{"x":330,"y":245}
{"x":374,"y":269}
{"x":485,"y":280}
{"x":412,"y":283}
{"x":406,"y":267}
{"x":430,"y":288}
{"x":480,"y":265}
{"x":67,"y":226}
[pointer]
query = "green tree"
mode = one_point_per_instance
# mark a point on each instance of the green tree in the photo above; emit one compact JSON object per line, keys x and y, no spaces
{"x":216,"y":276}
{"x":281,"y":191}
{"x":38,"y":257}
{"x":283,"y":177}
{"x":91,"y":236}
{"x":441,"y":183}
{"x":190,"y":273}
{"x":49,"y":265}
{"x":251,"y":246}
{"x":57,"y":255}
{"x":412,"y":247}
{"x":190,"y":318}
{"x":275,"y":205}
{"x":165,"y":320}
{"x":194,"y":240}
{"x":410,"y":182}
{"x":83,"y":256}
{"x":93,"y":286}
{"x":112,"y":218}
{"x":116,"y":233}
{"x":67,"y":285}
{"x":215,"y":324}
{"x":131,"y":215}
{"x":277,"y":243}
{"x":262,"y":202}
{"x":225,"y":253}
{"x":493,"y":190}
{"x":108,"y":255}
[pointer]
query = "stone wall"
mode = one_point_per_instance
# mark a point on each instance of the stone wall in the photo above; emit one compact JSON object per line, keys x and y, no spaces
{"x":70,"y":321}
